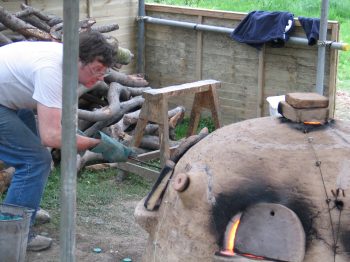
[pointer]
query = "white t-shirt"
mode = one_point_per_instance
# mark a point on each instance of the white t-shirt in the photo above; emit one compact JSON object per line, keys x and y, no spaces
{"x":31,"y":72}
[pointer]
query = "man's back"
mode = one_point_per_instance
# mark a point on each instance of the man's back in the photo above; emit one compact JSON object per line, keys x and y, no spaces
{"x":31,"y":72}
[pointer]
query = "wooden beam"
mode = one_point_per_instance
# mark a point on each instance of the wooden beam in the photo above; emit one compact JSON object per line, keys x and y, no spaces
{"x":261,"y":83}
{"x":145,"y":172}
{"x":205,"y":12}
{"x":184,"y":89}
{"x":333,"y":60}
{"x":199,"y":50}
{"x":89,"y":8}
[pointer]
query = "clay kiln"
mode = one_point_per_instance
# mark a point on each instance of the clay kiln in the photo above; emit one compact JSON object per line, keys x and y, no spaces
{"x":285,"y":184}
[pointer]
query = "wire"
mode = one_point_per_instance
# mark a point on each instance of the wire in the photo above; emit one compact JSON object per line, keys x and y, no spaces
{"x":328,"y":200}
{"x":143,"y":162}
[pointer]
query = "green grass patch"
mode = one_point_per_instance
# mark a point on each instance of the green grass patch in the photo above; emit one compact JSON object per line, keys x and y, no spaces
{"x":181,"y":129}
{"x":94,"y":190}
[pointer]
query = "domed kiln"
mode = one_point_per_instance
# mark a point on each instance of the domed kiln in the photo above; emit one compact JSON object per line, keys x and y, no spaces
{"x":259,"y":189}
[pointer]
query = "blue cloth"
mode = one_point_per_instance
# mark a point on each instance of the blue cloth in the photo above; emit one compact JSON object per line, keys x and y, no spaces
{"x":21,"y":148}
{"x":260,"y":27}
{"x":311,"y":28}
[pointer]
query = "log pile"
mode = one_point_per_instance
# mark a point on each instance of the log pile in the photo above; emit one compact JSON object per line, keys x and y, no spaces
{"x":111,"y":106}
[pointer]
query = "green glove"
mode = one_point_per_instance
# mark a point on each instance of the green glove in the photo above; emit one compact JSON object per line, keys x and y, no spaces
{"x":112,"y":150}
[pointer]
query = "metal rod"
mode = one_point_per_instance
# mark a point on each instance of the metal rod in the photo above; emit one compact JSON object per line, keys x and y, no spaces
{"x":227,"y":30}
{"x":143,"y":162}
{"x":141,"y":38}
{"x":322,"y":48}
{"x":69,"y":126}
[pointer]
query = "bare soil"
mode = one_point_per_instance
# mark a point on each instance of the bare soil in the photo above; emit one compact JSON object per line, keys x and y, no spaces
{"x":114,"y":229}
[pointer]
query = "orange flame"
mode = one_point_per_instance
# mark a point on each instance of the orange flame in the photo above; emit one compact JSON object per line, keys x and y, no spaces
{"x":230,"y":239}
{"x":312,"y":123}
{"x":232,"y":235}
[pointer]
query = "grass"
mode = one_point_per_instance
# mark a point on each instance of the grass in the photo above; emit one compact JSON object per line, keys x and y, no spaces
{"x":181,"y":129}
{"x":94,"y":190}
{"x":98,"y":189}
{"x":338,"y":11}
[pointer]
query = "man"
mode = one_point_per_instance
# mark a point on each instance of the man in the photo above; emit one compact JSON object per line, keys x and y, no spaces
{"x":31,"y":79}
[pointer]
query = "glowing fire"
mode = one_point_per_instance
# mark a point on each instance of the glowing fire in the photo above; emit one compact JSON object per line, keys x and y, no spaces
{"x":230,"y":237}
{"x":312,"y":123}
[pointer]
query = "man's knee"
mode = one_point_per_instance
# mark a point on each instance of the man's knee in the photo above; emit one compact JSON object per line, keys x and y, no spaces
{"x":43,"y":158}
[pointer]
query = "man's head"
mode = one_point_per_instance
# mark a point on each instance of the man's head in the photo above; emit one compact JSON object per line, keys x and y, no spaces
{"x":95,"y":56}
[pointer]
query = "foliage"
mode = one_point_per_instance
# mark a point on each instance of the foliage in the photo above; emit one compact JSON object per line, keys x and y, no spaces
{"x":181,"y":129}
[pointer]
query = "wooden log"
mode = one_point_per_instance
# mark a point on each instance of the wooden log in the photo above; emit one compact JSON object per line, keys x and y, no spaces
{"x":54,"y":20}
{"x":14,"y":36}
{"x":105,"y":28}
{"x":187,"y":144}
{"x":4,"y":40}
{"x":152,"y":143}
{"x":36,"y":12}
{"x":36,"y":22}
{"x":101,"y":87}
{"x":21,"y":27}
{"x":126,"y":80}
{"x":114,"y":107}
{"x":88,"y":156}
{"x":125,"y":107}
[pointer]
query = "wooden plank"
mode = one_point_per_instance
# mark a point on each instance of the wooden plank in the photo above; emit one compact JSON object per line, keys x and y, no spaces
{"x":199,"y":51}
{"x":194,"y":11}
{"x":188,"y":88}
{"x":164,"y":132}
{"x":145,"y":172}
{"x":333,"y":72}
{"x":261,"y":83}
{"x":204,"y":12}
{"x":89,"y":8}
{"x":153,"y":154}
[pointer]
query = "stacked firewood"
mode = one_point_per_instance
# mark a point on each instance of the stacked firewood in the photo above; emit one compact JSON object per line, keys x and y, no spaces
{"x":111,"y":106}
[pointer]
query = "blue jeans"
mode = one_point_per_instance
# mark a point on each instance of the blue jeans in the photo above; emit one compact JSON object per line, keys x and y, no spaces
{"x":21,"y":148}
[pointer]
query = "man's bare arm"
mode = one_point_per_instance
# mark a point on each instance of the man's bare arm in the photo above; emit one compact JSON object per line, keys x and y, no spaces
{"x":49,"y":120}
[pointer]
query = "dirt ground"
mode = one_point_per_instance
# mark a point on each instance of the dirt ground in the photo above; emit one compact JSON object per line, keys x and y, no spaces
{"x":115,"y":231}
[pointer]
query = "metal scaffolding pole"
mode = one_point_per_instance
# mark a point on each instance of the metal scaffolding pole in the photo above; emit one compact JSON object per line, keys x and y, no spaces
{"x":226,"y":30}
{"x":69,"y":125}
{"x":322,"y":47}
{"x":141,"y":38}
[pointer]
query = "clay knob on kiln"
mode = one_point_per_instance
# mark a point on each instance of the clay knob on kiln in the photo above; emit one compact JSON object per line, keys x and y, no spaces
{"x":181,"y":182}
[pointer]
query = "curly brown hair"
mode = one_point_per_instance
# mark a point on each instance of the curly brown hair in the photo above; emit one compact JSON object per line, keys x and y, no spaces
{"x":93,"y":45}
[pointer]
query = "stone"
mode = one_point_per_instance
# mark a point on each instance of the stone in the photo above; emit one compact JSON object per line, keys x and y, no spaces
{"x":307,"y":100}
{"x":303,"y":115}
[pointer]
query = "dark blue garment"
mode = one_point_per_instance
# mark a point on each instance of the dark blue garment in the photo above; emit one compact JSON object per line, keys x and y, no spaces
{"x":260,"y":27}
{"x":311,"y":28}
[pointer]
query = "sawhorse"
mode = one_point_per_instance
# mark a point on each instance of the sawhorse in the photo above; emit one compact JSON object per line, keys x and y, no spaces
{"x":155,"y":109}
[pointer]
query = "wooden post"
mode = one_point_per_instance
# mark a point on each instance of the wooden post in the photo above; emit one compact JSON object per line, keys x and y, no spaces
{"x":155,"y":109}
{"x":199,"y":51}
{"x":261,"y":83}
{"x":333,"y":60}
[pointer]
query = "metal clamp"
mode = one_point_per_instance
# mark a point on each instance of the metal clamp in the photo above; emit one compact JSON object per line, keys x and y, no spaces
{"x":139,"y":18}
{"x":325,"y":43}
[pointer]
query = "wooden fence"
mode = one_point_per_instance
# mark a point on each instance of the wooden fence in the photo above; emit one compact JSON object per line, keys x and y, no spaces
{"x":176,"y":55}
